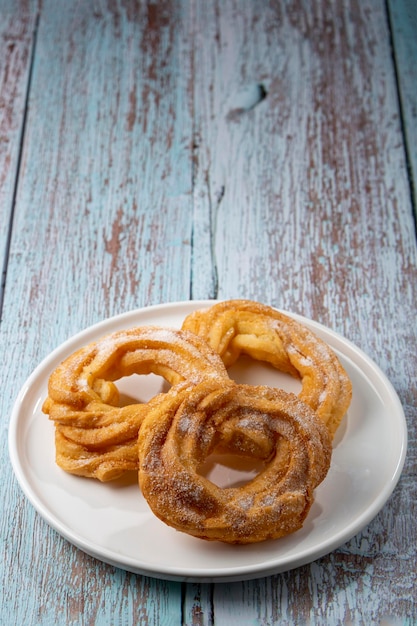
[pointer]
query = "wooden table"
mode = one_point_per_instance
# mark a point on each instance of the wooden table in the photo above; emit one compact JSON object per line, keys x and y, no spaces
{"x":156,"y":152}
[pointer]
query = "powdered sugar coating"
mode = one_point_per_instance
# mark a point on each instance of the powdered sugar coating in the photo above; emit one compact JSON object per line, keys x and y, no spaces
{"x":178,"y":435}
{"x":237,"y":327}
{"x":83,"y":400}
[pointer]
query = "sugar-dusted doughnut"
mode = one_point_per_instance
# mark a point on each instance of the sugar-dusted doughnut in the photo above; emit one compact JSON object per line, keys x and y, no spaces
{"x":83,"y":400}
{"x":106,"y":462}
{"x":236,"y":327}
{"x":180,"y":433}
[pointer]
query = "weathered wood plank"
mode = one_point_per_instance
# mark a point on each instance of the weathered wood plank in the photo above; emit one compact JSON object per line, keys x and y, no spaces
{"x":17,"y":28}
{"x":308,"y":160}
{"x":306,"y":198}
{"x":102,"y":225}
{"x":403,"y":14}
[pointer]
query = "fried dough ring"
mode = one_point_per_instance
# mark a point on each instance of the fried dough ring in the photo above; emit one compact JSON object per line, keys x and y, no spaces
{"x":83,"y":400}
{"x":178,"y":435}
{"x":236,"y":327}
{"x":105,"y":464}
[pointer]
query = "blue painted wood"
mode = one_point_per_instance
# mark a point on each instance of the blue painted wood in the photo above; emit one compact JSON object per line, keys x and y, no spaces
{"x":310,"y":207}
{"x":403,"y":15}
{"x":224,"y":148}
{"x":17,"y":29}
{"x":102,"y":224}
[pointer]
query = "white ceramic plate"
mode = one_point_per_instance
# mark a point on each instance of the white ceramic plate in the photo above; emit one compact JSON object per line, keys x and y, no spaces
{"x":113,"y":522}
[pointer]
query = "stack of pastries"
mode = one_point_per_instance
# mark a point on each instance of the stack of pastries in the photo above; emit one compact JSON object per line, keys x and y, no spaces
{"x":203,"y":411}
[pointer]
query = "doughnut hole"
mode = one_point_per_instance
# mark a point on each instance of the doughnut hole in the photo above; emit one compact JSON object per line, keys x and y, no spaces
{"x":140,"y":388}
{"x":249,"y":371}
{"x":230,"y":470}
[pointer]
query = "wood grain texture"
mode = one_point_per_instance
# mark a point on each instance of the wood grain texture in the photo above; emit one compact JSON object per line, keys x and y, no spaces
{"x":307,"y":200}
{"x":403,"y":14}
{"x":17,"y":28}
{"x":310,"y":198}
{"x":201,"y":149}
{"x":102,"y":224}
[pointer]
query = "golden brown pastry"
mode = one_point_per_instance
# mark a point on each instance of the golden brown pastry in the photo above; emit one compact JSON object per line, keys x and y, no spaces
{"x":83,"y":400}
{"x":105,"y":463}
{"x":180,"y":433}
{"x":236,"y":327}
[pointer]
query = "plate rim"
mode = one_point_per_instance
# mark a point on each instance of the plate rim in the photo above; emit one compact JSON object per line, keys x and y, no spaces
{"x":225,"y":574}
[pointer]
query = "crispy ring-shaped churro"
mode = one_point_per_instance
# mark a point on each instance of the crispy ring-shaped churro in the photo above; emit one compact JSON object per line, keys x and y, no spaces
{"x":178,"y":435}
{"x":83,"y":400}
{"x":106,"y":463}
{"x":238,"y":327}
